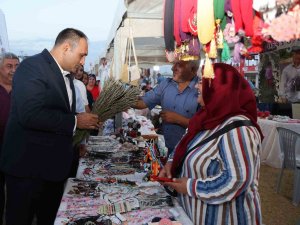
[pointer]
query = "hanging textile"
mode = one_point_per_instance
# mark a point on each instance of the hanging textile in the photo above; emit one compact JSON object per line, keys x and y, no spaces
{"x":169,"y":25}
{"x":192,"y":19}
{"x":219,"y":15}
{"x":243,"y":16}
{"x":219,"y":12}
{"x":257,"y":39}
{"x":205,"y":21}
{"x":177,"y":5}
{"x":186,"y":8}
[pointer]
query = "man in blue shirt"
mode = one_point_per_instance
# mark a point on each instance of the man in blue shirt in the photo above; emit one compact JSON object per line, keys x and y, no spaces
{"x":178,"y":98}
{"x":160,"y":78}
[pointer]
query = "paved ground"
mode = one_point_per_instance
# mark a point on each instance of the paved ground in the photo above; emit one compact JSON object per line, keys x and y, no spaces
{"x":277,"y":209}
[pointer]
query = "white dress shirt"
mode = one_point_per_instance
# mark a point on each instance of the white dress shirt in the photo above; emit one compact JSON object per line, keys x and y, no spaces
{"x":67,"y":82}
{"x":69,"y":90}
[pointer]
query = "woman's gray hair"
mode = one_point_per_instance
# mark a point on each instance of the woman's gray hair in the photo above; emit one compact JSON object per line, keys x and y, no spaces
{"x":7,"y":55}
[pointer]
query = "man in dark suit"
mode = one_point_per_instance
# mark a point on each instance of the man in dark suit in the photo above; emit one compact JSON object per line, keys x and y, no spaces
{"x":37,"y":148}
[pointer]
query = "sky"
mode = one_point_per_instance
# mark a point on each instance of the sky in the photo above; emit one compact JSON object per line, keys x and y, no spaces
{"x":33,"y":25}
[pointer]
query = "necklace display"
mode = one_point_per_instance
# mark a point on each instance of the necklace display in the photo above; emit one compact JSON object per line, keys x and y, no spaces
{"x":110,"y":187}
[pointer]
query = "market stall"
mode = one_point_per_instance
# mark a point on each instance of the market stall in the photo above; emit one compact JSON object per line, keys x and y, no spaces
{"x":113,"y":186}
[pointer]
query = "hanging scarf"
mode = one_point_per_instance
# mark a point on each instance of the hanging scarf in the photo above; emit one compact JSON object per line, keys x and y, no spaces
{"x":257,"y":39}
{"x":186,"y":8}
{"x":169,"y":25}
{"x":243,"y":16}
{"x":192,"y":20}
{"x":228,"y":11}
{"x":177,"y":15}
{"x":228,"y":84}
{"x":205,"y":21}
{"x":225,"y":52}
{"x":219,"y":12}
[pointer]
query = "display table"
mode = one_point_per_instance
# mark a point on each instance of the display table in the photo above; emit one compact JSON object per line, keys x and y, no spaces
{"x":87,"y":202}
{"x":271,"y":154}
{"x":94,"y":169}
{"x":111,"y":187}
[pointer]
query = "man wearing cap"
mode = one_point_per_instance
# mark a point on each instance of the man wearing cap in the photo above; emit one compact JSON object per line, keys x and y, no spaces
{"x":289,"y":87}
{"x":178,"y":98}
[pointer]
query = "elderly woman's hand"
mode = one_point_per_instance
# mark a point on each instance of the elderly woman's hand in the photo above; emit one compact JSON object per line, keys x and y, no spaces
{"x":166,"y":170}
{"x":179,"y":184}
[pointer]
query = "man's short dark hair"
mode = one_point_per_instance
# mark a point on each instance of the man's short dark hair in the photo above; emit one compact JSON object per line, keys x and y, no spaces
{"x":194,"y":64}
{"x":70,"y":34}
{"x":7,"y":55}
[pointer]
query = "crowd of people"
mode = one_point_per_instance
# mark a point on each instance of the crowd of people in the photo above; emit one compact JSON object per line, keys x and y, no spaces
{"x":214,"y":144}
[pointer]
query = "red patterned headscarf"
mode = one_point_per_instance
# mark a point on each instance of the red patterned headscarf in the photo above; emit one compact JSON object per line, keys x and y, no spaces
{"x":227,"y":95}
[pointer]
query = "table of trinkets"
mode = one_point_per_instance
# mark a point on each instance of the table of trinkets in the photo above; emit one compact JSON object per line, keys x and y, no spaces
{"x":110,"y":189}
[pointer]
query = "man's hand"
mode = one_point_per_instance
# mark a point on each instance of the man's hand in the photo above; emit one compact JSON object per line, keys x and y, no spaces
{"x":140,"y":104}
{"x":87,"y":121}
{"x":168,"y":116}
{"x":82,"y":150}
{"x":173,"y":117}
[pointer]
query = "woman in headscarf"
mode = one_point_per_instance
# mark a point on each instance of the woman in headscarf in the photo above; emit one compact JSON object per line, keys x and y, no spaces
{"x":218,"y":180}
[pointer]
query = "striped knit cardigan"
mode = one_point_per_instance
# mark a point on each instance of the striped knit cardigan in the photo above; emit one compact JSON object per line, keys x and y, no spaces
{"x":223,"y":177}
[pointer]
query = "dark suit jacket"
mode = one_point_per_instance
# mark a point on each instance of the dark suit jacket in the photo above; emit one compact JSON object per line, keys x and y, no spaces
{"x":38,"y":137}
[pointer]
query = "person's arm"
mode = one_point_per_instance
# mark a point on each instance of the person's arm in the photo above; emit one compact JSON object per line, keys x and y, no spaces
{"x":31,"y":95}
{"x":173,"y":117}
{"x":140,"y":104}
{"x":150,"y":99}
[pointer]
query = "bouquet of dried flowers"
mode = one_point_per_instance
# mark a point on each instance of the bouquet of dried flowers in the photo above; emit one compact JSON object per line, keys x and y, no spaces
{"x":115,"y":97}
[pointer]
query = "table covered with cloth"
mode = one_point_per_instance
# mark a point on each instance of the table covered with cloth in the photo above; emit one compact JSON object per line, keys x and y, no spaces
{"x":271,"y":154}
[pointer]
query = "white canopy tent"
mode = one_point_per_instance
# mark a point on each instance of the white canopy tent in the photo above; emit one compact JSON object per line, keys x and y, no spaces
{"x":4,"y":45}
{"x":144,"y":19}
